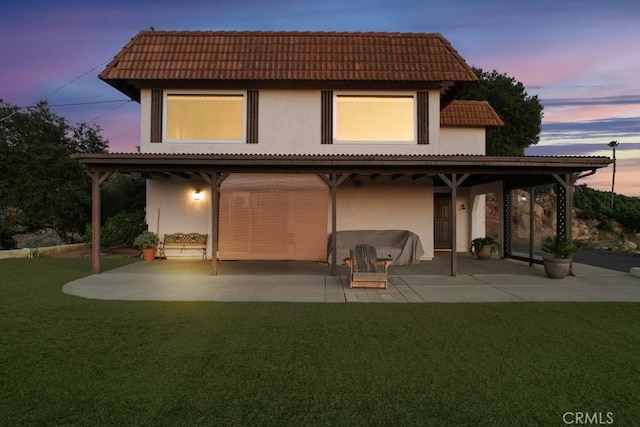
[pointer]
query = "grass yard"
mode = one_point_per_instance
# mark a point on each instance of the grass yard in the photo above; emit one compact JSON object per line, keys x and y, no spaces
{"x":66,"y":360}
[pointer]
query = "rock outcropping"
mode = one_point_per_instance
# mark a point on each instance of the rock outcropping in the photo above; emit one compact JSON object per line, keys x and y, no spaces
{"x":585,"y":232}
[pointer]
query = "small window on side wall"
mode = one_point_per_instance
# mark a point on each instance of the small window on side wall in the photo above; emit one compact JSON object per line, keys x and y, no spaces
{"x":385,"y":119}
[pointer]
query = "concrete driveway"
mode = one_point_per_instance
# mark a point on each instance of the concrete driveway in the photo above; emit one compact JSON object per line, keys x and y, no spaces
{"x":478,"y":281}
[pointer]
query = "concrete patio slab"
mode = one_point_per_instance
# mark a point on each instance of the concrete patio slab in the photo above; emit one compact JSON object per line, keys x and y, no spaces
{"x":497,"y":281}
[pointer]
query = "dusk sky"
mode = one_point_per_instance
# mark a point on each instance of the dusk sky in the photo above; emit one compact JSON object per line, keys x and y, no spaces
{"x":581,"y":57}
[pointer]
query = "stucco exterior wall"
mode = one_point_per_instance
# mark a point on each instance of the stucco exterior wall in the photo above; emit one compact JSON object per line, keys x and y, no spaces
{"x":171,"y":201}
{"x":387,"y":206}
{"x":289,"y":123}
{"x":468,"y":140}
{"x":367,"y":205}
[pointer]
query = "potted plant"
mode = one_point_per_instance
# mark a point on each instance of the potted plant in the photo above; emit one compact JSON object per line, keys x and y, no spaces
{"x":560,"y":249}
{"x":483,"y":247}
{"x":147,"y":241}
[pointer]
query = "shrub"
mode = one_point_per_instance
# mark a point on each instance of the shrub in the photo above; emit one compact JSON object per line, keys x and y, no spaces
{"x":559,"y":246}
{"x":122,"y":229}
{"x":119,"y":230}
{"x":595,"y":204}
{"x":606,"y":225}
{"x":146,"y":240}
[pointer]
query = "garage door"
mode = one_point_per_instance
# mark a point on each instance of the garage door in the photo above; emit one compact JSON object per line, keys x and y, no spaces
{"x":273,"y":217}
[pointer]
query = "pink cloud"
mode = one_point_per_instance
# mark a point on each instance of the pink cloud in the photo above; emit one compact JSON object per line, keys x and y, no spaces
{"x":626,"y":178}
{"x":588,"y":112}
{"x":592,"y":67}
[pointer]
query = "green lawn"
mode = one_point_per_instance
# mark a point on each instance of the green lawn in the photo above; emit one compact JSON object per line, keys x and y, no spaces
{"x":66,"y":360}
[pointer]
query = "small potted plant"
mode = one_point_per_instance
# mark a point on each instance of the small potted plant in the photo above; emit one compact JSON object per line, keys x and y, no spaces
{"x":560,"y":249}
{"x":483,"y":247}
{"x":147,"y":241}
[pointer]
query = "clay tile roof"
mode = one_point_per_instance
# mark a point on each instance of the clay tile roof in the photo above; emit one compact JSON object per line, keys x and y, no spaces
{"x":286,"y":56}
{"x":469,"y":113}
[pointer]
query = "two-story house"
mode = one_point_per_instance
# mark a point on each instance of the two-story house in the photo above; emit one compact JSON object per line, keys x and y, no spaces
{"x":274,"y":143}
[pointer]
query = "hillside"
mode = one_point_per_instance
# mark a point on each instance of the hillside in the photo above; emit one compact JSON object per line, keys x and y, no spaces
{"x":594,"y":224}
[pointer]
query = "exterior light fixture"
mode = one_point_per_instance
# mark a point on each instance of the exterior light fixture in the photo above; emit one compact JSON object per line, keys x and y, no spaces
{"x":197,"y":195}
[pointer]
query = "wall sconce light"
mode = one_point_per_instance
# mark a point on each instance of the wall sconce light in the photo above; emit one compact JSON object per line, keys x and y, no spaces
{"x":197,"y":195}
{"x":462,"y":207}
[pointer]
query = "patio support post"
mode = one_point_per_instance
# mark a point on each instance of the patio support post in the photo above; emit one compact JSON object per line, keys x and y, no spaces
{"x":454,"y":183}
{"x":333,"y":181}
{"x":531,"y":224}
{"x":564,"y":205}
{"x":215,"y":213}
{"x":506,"y":222}
{"x":334,"y":218}
{"x":500,"y":203}
{"x":564,"y":208}
{"x":97,"y":179}
{"x":214,"y":179}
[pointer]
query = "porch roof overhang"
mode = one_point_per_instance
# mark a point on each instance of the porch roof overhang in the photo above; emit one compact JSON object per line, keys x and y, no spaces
{"x":515,"y":171}
{"x":451,"y":170}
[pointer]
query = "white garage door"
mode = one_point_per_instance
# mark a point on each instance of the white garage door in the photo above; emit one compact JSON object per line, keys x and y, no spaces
{"x":273,"y":217}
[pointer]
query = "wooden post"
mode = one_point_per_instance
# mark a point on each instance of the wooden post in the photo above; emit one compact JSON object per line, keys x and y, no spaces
{"x":215,"y":199}
{"x":531,"y":224}
{"x":97,"y":178}
{"x":214,"y":183}
{"x":212,"y":178}
{"x":334,"y":181}
{"x":454,"y":183}
{"x":334,"y":217}
{"x":454,"y":225}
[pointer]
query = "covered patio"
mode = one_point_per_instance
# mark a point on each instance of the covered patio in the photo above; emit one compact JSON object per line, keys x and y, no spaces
{"x":297,"y":281}
{"x":481,"y":174}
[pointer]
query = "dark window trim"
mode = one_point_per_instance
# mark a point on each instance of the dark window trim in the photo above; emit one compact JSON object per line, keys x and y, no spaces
{"x":156,"y":115}
{"x":326,"y":121}
{"x":423,"y":117}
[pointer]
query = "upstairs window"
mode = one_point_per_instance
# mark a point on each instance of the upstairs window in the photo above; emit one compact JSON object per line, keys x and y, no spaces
{"x":205,"y":117}
{"x":389,"y":119}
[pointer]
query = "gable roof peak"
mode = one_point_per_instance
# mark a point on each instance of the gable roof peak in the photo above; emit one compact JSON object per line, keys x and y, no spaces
{"x":370,"y":58}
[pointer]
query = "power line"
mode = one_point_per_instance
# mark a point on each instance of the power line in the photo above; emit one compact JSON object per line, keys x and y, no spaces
{"x":62,"y":87}
{"x":74,"y":104}
{"x":124,"y":102}
{"x":89,"y":103}
{"x":74,"y":80}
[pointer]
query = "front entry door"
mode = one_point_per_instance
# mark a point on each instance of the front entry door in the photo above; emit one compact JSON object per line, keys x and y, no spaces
{"x":442,"y":221}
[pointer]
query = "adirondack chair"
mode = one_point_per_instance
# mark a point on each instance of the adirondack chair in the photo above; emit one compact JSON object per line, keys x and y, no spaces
{"x":364,"y":267}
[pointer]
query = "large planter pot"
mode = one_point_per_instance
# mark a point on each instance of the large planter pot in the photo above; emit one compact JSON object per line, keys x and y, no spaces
{"x":485,"y":252}
{"x":556,"y":268}
{"x":149,"y":254}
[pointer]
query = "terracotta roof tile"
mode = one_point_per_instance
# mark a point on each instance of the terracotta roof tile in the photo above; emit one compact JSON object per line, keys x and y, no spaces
{"x":318,"y":56}
{"x":469,"y":113}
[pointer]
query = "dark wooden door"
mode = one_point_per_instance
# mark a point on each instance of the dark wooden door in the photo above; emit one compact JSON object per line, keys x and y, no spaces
{"x":442,"y":221}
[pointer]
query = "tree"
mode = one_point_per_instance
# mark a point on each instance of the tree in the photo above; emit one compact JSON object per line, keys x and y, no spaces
{"x":613,"y":145}
{"x":521,"y":113}
{"x":122,"y":192}
{"x":41,"y":186}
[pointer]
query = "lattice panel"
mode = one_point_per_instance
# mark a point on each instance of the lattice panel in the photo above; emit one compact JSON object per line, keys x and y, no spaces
{"x":507,"y":223}
{"x":561,"y":210}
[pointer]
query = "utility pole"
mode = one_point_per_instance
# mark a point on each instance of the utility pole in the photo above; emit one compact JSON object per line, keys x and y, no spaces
{"x":613,"y":145}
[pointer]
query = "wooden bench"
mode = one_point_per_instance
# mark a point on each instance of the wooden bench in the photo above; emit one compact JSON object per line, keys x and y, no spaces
{"x":363,"y":265}
{"x":184,"y":241}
